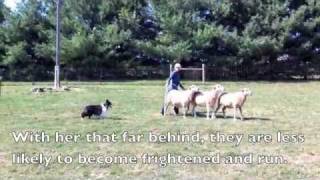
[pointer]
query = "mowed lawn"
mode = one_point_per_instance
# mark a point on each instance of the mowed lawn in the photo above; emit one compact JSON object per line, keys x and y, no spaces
{"x":289,"y":107}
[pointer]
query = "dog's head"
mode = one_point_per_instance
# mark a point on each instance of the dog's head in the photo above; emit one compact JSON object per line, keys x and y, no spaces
{"x":108,"y":104}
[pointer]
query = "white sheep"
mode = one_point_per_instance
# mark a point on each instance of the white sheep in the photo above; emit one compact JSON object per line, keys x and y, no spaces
{"x":208,"y":99}
{"x":182,"y":99}
{"x":233,"y":100}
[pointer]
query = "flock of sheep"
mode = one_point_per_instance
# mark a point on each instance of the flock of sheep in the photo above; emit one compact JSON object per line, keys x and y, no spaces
{"x":212,"y":100}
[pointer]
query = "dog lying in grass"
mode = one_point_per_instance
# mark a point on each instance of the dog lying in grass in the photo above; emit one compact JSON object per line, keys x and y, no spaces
{"x":100,"y":111}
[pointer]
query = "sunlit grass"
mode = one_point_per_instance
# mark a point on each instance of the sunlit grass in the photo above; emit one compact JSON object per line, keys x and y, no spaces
{"x":290,"y":107}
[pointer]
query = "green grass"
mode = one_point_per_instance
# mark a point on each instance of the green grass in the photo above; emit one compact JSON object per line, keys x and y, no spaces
{"x":290,"y":107}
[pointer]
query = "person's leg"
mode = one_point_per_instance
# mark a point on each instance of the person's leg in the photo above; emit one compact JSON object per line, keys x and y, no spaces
{"x":176,"y":110}
{"x":165,"y":109}
{"x":163,"y":105}
{"x":167,"y":89}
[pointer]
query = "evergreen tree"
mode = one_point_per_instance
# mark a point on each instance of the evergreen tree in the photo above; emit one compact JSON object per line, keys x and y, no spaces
{"x":265,"y":38}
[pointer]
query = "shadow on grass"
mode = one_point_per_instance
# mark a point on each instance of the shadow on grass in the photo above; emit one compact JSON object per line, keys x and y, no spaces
{"x":204,"y":115}
{"x":104,"y":119}
{"x":116,"y":118}
{"x":256,"y":119}
{"x":246,"y":118}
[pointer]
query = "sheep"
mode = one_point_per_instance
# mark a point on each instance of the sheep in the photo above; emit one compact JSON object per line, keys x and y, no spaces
{"x":182,"y":99}
{"x":233,"y":100}
{"x":208,"y":99}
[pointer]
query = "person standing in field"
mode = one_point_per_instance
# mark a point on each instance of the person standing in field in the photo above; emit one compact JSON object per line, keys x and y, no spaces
{"x":173,"y":82}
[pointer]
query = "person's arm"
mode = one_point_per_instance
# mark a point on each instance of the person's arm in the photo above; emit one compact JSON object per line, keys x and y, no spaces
{"x":170,"y":78}
{"x":171,"y":75}
{"x":181,"y":86}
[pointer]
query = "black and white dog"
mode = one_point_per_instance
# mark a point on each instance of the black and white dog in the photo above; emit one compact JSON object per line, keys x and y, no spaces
{"x":100,"y":111}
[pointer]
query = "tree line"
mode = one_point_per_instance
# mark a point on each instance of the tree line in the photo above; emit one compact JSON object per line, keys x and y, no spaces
{"x":271,"y":39}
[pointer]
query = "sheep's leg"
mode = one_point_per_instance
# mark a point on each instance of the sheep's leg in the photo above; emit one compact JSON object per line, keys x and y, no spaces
{"x":217,"y":109}
{"x":208,"y":110}
{"x":224,"y":111}
{"x":194,"y":111}
{"x":234,"y":113}
{"x":188,"y":107}
{"x":184,"y":111}
{"x":213,"y":115}
{"x":241,"y":116}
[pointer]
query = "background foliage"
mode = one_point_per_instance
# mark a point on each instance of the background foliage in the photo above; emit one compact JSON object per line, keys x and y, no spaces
{"x":263,"y":39}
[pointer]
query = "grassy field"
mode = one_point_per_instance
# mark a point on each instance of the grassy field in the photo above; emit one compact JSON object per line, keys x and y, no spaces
{"x":290,"y":107}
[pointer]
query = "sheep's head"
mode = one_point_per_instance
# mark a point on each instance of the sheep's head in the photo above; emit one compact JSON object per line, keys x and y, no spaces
{"x":246,"y":92}
{"x":194,"y":88}
{"x":218,"y":87}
